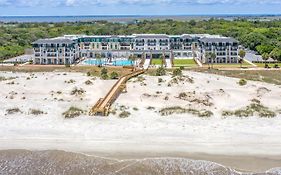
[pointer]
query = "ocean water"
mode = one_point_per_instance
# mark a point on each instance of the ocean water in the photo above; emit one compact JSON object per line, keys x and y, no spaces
{"x":22,"y":162}
{"x":127,"y":18}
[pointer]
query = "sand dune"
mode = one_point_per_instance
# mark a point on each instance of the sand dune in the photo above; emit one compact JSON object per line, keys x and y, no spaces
{"x":145,"y":130}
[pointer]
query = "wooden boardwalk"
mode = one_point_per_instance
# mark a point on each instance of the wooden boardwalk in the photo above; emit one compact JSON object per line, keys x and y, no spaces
{"x":103,"y":105}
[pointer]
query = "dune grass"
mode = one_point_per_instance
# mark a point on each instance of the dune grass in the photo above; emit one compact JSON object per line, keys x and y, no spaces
{"x":272,"y":76}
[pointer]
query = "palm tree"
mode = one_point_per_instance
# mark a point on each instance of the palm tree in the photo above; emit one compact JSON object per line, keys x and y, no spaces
{"x":208,"y":56}
{"x":265,"y":57}
{"x":213,"y":56}
{"x":98,"y":57}
{"x":133,"y":58}
{"x":242,"y":55}
{"x":163,"y":59}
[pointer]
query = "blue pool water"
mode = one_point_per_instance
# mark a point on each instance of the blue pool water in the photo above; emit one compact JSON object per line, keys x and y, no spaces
{"x":113,"y":63}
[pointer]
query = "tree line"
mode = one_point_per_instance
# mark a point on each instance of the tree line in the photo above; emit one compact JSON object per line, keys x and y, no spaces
{"x":261,"y":36}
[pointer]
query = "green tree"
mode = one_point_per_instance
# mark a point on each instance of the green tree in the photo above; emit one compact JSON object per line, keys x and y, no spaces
{"x":265,"y":57}
{"x":276,"y":54}
{"x":264,"y":48}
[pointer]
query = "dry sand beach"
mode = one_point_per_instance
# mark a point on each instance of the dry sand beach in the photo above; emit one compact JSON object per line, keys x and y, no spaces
{"x":167,"y":117}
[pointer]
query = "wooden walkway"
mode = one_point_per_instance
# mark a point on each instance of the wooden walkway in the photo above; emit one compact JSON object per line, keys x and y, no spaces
{"x":103,"y":105}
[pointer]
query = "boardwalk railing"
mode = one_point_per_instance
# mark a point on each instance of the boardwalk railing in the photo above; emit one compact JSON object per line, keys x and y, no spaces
{"x":103,"y":105}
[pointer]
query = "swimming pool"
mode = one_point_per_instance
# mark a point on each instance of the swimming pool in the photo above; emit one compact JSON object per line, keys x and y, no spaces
{"x":113,"y":63}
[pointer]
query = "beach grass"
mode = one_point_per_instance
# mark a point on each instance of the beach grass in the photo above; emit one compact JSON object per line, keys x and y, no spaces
{"x":272,"y":76}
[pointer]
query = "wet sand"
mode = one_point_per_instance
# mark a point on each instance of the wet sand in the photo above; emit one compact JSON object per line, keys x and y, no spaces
{"x":244,"y":163}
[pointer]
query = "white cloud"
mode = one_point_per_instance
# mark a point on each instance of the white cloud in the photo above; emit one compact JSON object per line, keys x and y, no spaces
{"x":127,"y":2}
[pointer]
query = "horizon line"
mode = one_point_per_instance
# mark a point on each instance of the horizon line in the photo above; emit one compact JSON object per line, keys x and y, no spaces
{"x":149,"y":15}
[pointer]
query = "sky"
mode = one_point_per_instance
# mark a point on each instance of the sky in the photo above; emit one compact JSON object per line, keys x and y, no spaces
{"x":137,"y":7}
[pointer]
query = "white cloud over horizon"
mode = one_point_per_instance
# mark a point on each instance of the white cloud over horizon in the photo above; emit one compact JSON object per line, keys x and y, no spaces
{"x":34,"y":3}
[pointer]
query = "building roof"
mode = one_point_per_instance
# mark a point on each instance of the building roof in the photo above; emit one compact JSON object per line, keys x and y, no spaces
{"x":151,"y":36}
{"x":54,"y":41}
{"x":218,"y":39}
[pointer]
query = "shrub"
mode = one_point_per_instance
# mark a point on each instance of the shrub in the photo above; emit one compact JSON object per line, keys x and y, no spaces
{"x":254,"y":108}
{"x":267,"y":113}
{"x":35,"y":112}
{"x":227,"y":113}
{"x":160,"y":71}
{"x":242,"y":82}
{"x":67,"y":65}
{"x":13,"y":111}
{"x":77,"y":91}
{"x":205,"y":114}
{"x":135,"y":109}
{"x":181,"y":67}
{"x":114,"y":75}
{"x":104,"y":73}
{"x":70,"y":81}
{"x":73,"y":112}
{"x":150,"y":108}
{"x":88,"y":82}
{"x":89,"y":74}
{"x":124,"y":114}
{"x":160,"y":80}
{"x":177,"y":72}
{"x":104,"y":76}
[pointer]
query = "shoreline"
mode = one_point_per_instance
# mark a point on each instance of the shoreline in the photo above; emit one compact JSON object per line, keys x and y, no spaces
{"x":239,"y":163}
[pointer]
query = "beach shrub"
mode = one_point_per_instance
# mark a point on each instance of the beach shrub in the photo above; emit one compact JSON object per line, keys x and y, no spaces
{"x":242,"y":82}
{"x":181,"y":67}
{"x":13,"y":110}
{"x":35,"y":112}
{"x":254,"y":108}
{"x":160,"y":71}
{"x":124,"y":114}
{"x":77,"y":91}
{"x":135,"y":109}
{"x":205,"y":113}
{"x":160,"y":80}
{"x":88,"y":82}
{"x":104,"y":72}
{"x":73,"y":112}
{"x":180,"y":110}
{"x":227,"y":113}
{"x":70,"y":81}
{"x":114,"y":75}
{"x":150,"y":108}
{"x":177,"y":72}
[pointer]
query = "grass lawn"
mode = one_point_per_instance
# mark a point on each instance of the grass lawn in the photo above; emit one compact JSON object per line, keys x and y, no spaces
{"x":185,"y":63}
{"x":270,"y":64}
{"x":156,"y":62}
{"x":245,"y":64}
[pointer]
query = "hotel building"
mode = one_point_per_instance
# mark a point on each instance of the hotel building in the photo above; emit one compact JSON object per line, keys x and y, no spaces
{"x":69,"y":48}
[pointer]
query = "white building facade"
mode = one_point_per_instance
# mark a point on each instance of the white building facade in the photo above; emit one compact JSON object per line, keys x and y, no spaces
{"x":69,"y":48}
